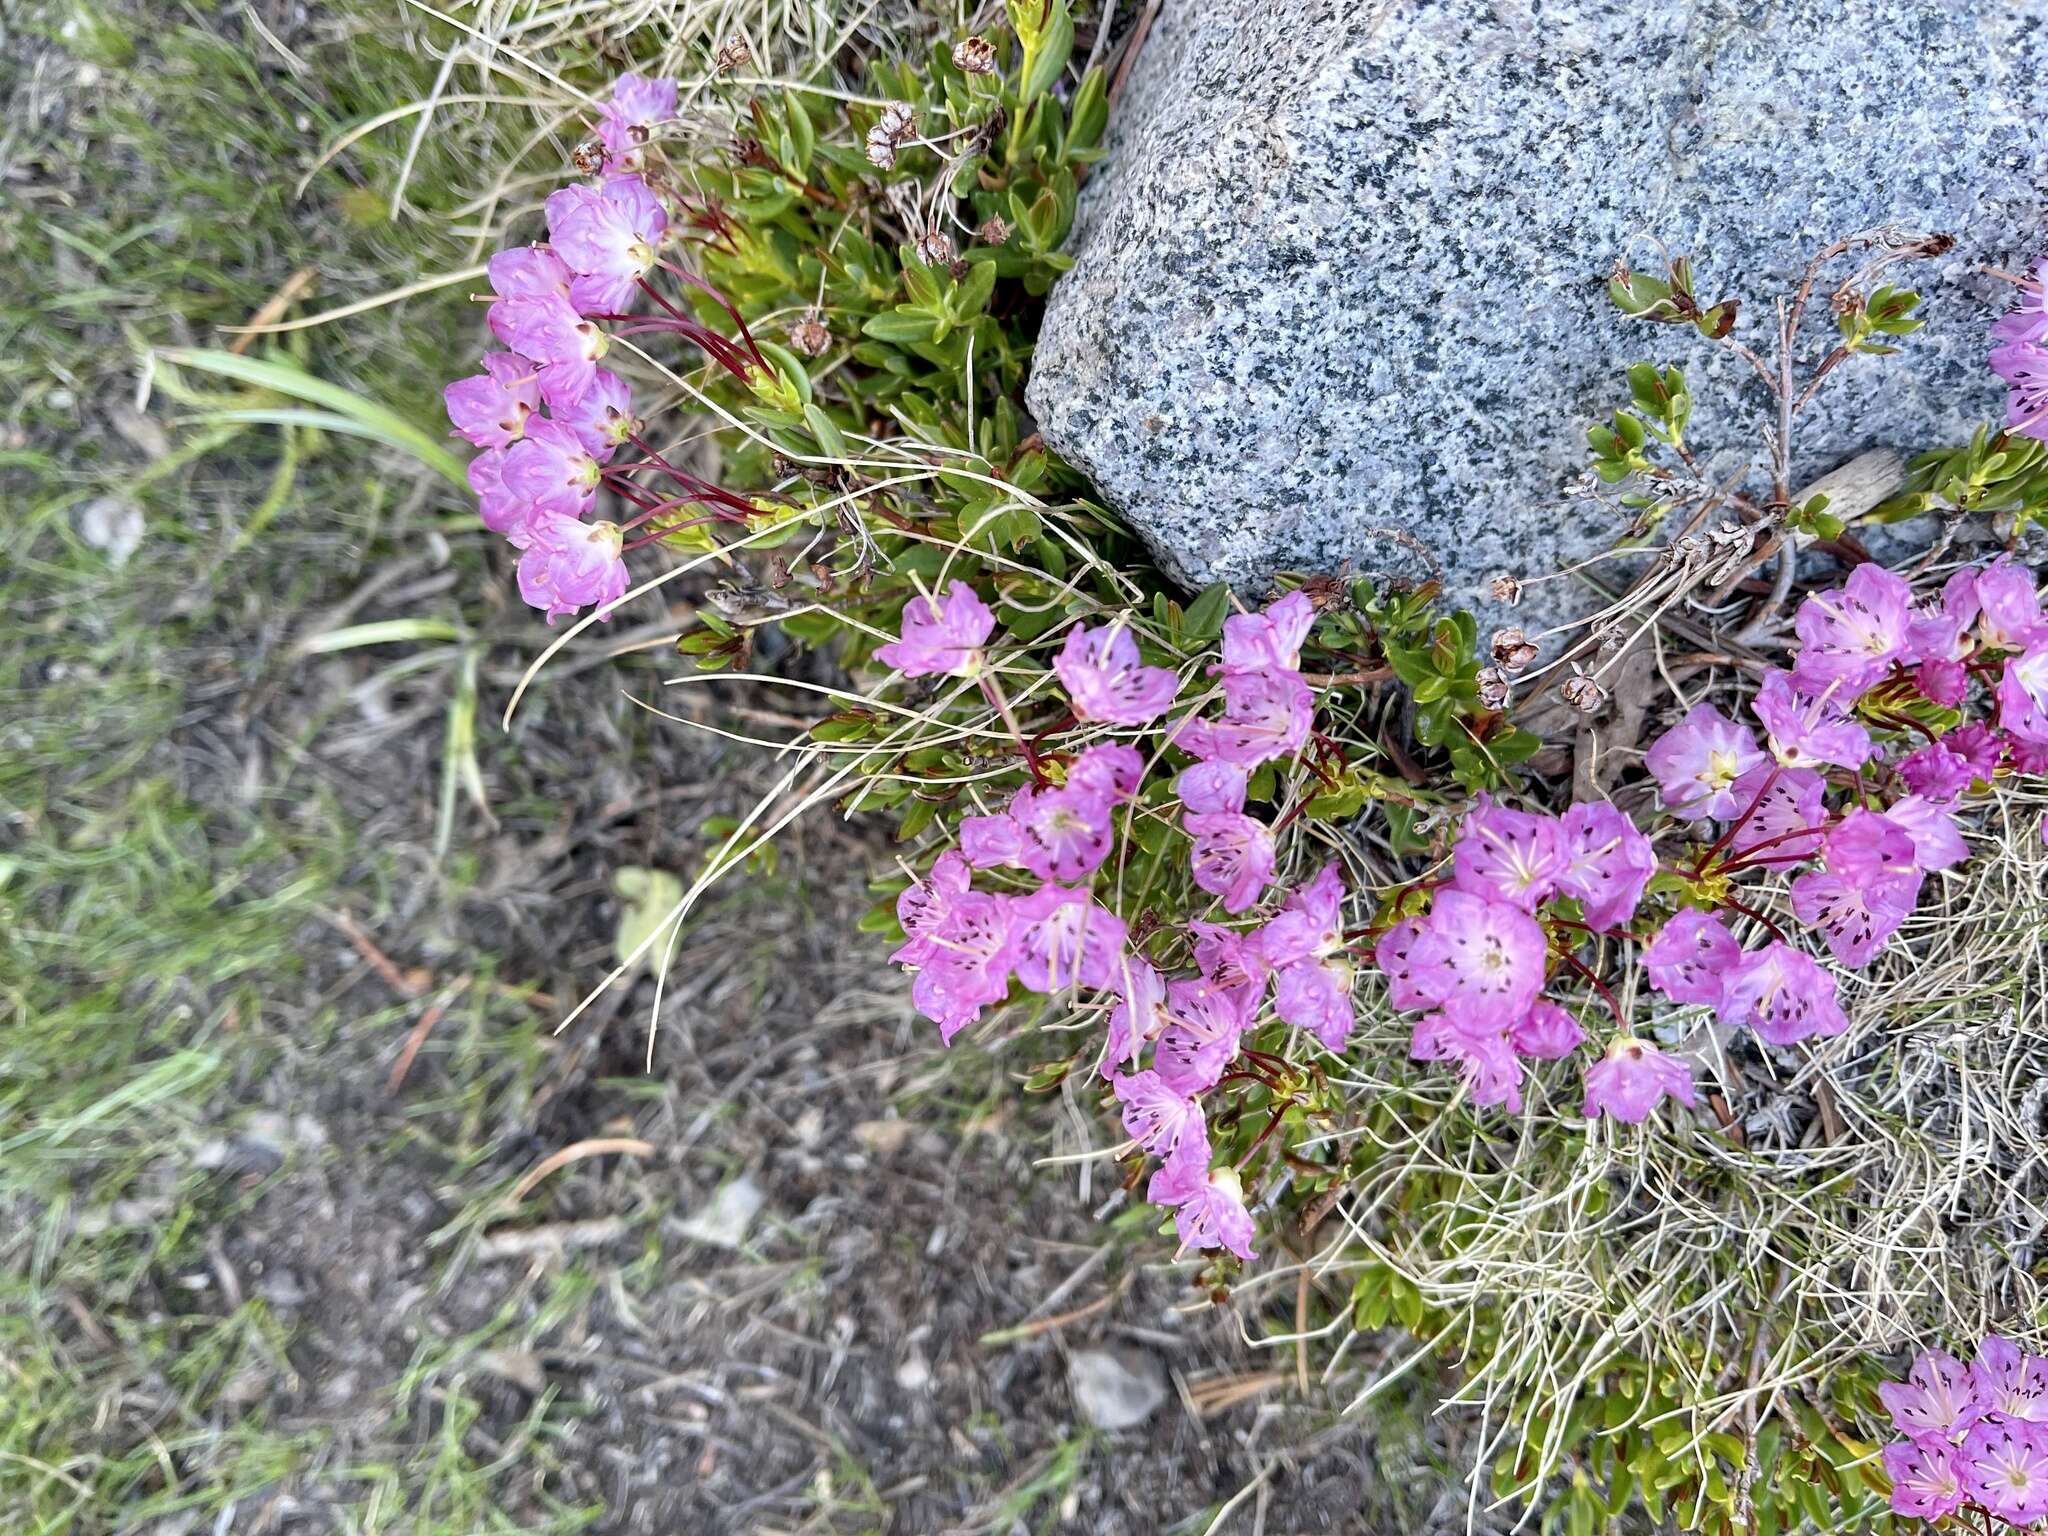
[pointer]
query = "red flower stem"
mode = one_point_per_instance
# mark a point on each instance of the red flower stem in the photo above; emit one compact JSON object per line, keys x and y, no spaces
{"x":1748,"y":911}
{"x":1598,"y":985}
{"x":1272,"y":1125}
{"x":992,"y":691}
{"x":1737,"y":825}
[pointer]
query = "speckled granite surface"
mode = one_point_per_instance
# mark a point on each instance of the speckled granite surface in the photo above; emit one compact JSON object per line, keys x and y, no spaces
{"x":1344,"y":267}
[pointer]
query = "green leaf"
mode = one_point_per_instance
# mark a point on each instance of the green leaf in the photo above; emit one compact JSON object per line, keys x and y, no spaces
{"x":647,"y":902}
{"x":1203,"y":621}
{"x":901,"y":324}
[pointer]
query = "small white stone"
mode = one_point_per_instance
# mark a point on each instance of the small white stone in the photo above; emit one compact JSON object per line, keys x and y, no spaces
{"x":725,"y":1218}
{"x":1116,"y":1388}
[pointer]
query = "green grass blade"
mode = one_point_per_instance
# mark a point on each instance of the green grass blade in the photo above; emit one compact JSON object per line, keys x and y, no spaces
{"x":370,"y":419}
{"x":379,"y":632}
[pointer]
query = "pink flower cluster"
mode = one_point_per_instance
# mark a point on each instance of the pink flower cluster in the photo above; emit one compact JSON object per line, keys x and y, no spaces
{"x":546,"y":416}
{"x":1974,"y":1435}
{"x":1267,"y":713}
{"x":1477,"y":962}
{"x":968,"y":945}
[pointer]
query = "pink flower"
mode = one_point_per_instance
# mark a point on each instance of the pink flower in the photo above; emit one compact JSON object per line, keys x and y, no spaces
{"x":1203,"y":1025}
{"x":1211,"y":787}
{"x":1106,"y":680}
{"x":2027,"y":757}
{"x":1633,"y":1078}
{"x":941,"y":636}
{"x":1937,"y":843}
{"x":529,"y":272}
{"x":1926,"y":1474}
{"x":2028,"y":320}
{"x":2005,"y":1468}
{"x":1257,"y":642}
{"x":2009,"y":616}
{"x":1065,"y":938}
{"x":608,"y":236}
{"x":1807,"y":731}
{"x":972,"y":950}
{"x":1511,"y":856}
{"x":1691,"y":957}
{"x":602,"y":418}
{"x":1937,"y":629}
{"x":1233,"y":857}
{"x":1395,"y":956}
{"x":1487,"y":1063}
{"x":1856,"y":919}
{"x":551,"y":469}
{"x":1852,"y":636}
{"x":1546,"y":1032}
{"x":2006,"y":1384}
{"x":1935,"y":773}
{"x":1316,"y":995}
{"x":501,"y":511}
{"x":1788,"y":809}
{"x":1111,"y":770}
{"x":1140,"y":1014}
{"x":490,"y":408}
{"x":1207,"y":1203}
{"x":1783,"y":994}
{"x":2023,"y":694}
{"x":1868,"y":847}
{"x":571,"y":564}
{"x":1483,"y":959}
{"x":1304,"y":943}
{"x":1265,"y":715}
{"x":1607,"y":863}
{"x":1978,"y":745}
{"x":1869,"y":887}
{"x":1946,"y":683}
{"x":1697,"y":762}
{"x":987,"y":842}
{"x":922,"y":907}
{"x":1154,"y":1115}
{"x":550,"y":332}
{"x":1934,"y":1399}
{"x":2024,"y":367}
{"x":1230,"y":959}
{"x":1308,"y":923}
{"x":1062,"y":834}
{"x":637,"y":104}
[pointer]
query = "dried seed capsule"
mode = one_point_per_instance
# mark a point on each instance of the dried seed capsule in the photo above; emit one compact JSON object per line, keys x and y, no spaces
{"x":1494,"y":688}
{"x":895,"y":127}
{"x":975,"y":56}
{"x":995,"y":230}
{"x":1512,"y":649}
{"x":1583,"y":694}
{"x":809,"y":336}
{"x":935,"y":247}
{"x":1506,"y":589}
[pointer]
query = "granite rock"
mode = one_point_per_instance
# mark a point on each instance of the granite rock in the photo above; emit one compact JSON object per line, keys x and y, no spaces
{"x":1339,"y":289}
